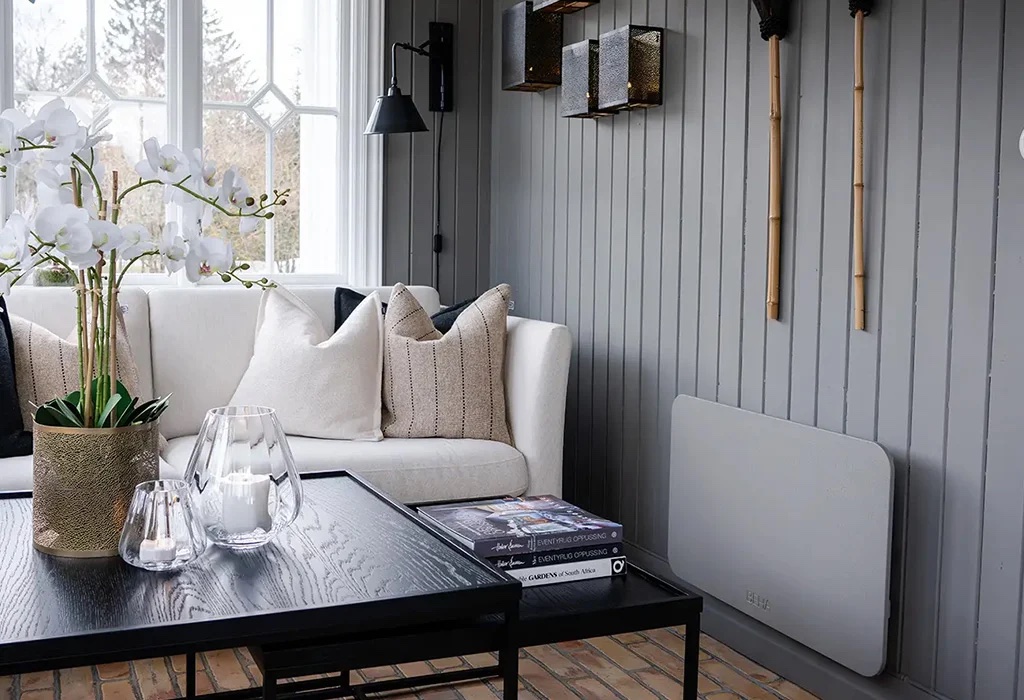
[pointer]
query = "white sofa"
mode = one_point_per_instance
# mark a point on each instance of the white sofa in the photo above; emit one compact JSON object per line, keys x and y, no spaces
{"x":195,"y":343}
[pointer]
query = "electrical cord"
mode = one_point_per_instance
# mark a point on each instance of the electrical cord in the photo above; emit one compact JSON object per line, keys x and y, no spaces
{"x":437,"y":239}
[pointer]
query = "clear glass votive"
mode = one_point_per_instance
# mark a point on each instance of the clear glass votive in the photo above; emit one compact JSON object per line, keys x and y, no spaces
{"x":162,"y":531}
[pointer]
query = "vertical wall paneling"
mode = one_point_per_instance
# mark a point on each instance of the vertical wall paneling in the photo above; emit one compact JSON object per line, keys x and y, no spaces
{"x":999,"y":615}
{"x":410,"y":160}
{"x":970,"y":332}
{"x":674,"y":47}
{"x":646,"y":234}
{"x":899,"y":281}
{"x":809,"y":222}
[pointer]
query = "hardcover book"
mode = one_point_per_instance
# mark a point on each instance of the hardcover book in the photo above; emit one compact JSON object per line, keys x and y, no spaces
{"x":564,"y":573}
{"x":518,"y":526}
{"x":511,"y":562}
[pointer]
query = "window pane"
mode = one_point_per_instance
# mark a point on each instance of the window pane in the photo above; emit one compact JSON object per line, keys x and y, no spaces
{"x":234,"y":49}
{"x":131,"y":46}
{"x":232,"y":138}
{"x":49,"y":45}
{"x":306,"y":51}
{"x":305,"y":231}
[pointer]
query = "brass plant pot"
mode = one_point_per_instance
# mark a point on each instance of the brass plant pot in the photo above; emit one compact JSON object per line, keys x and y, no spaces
{"x":82,"y":484}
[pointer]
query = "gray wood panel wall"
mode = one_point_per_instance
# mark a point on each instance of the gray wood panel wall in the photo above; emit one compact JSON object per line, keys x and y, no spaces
{"x":646,"y":233}
{"x":411,"y":167}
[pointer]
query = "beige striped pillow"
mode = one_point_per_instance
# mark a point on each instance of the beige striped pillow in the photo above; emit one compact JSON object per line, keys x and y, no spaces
{"x":450,"y":385}
{"x":47,"y":365}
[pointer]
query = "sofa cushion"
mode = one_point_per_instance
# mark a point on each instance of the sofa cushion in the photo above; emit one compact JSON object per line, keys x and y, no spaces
{"x":450,"y":385}
{"x":322,"y":385}
{"x":411,"y":470}
{"x":203,"y":339}
{"x":15,"y":441}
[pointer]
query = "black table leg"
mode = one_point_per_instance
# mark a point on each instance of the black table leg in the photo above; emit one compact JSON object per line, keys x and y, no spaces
{"x":508,"y":657}
{"x":269,"y":686}
{"x":190,"y":675}
{"x":691,"y":659}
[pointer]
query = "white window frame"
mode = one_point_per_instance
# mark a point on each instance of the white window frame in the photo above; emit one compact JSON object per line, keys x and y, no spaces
{"x":360,"y":200}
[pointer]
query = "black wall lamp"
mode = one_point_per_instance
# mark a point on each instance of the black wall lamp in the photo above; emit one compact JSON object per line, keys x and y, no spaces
{"x":630,"y":68}
{"x":395,"y":112}
{"x":580,"y":64}
{"x":564,"y":7}
{"x":531,"y":49}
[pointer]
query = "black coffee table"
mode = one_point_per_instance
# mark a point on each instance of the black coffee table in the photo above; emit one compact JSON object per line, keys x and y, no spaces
{"x":356,"y":568}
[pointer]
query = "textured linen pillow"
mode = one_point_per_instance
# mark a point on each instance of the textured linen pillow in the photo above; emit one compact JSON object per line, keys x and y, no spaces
{"x":346,"y":300}
{"x":450,"y":385}
{"x":15,"y":441}
{"x":322,"y":386}
{"x":47,"y":365}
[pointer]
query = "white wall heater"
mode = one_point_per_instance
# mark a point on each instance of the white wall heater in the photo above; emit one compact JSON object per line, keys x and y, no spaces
{"x":787,"y":523}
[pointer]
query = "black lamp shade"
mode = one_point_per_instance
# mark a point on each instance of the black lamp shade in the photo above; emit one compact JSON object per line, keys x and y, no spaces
{"x":563,"y":6}
{"x":531,"y":49}
{"x":630,"y":68}
{"x":394,"y":113}
{"x":579,"y":80}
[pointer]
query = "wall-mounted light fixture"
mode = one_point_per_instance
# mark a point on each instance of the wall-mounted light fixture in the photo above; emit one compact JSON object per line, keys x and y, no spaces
{"x":565,"y":7}
{"x":531,"y":49}
{"x":579,"y":80}
{"x":395,"y":112}
{"x":630,"y":68}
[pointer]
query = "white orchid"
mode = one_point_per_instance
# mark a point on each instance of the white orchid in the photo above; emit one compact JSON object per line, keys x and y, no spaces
{"x":136,"y":241}
{"x":14,"y":249}
{"x":208,"y":256}
{"x":55,"y":126}
{"x":52,"y":222}
{"x":172,"y":248}
{"x":235,"y":192}
{"x":165,"y":163}
{"x":106,"y":236}
{"x":75,"y":242}
{"x":8,"y":144}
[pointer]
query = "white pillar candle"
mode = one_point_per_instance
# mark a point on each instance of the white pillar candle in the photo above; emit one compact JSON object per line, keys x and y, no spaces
{"x":246,"y":502}
{"x":158,"y":550}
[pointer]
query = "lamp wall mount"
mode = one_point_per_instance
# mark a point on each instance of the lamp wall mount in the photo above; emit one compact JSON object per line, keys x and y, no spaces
{"x":441,"y":50}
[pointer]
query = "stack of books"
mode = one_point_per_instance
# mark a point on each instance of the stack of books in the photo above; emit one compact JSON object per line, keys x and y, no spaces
{"x":536,"y":539}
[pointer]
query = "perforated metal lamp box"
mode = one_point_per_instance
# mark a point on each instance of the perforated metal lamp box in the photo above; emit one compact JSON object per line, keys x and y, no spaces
{"x":579,"y":80}
{"x":563,"y":6}
{"x":630,"y":68}
{"x":531,"y":49}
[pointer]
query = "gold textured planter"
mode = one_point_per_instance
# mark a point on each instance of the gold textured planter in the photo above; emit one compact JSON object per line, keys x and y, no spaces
{"x":82,"y":484}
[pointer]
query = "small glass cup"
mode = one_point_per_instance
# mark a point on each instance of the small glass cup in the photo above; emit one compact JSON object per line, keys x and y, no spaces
{"x":243,"y":477}
{"x":162,"y":532}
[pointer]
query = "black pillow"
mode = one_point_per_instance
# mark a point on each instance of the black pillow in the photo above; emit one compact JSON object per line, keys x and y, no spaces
{"x":15,"y":441}
{"x":346,"y":301}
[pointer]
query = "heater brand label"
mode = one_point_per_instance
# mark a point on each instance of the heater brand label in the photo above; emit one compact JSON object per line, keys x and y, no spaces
{"x":758,"y":601}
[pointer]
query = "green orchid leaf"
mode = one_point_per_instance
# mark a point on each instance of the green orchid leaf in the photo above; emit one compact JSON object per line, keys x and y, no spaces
{"x":125,"y":418}
{"x":109,"y":410}
{"x":51,"y":417}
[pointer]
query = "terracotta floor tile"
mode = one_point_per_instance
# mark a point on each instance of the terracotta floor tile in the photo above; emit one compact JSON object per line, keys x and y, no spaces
{"x":77,"y":684}
{"x":646,"y":666}
{"x":733,"y":680}
{"x":738,"y":660}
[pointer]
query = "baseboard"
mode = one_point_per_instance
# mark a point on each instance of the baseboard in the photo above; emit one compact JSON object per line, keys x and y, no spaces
{"x":801,"y":665}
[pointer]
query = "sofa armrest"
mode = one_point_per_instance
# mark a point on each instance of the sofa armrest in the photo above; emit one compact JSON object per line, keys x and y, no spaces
{"x":536,"y":374}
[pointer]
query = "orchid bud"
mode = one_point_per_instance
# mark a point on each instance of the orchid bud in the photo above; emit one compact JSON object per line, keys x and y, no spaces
{"x":264,"y":197}
{"x":225,"y":277}
{"x":249,"y":201}
{"x":243,"y":266}
{"x":247,"y":284}
{"x":283,"y":202}
{"x":270,"y":215}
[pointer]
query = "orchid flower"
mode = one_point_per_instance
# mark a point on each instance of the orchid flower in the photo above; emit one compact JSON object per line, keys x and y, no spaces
{"x":207,"y":257}
{"x":106,"y":236}
{"x":55,"y":126}
{"x":164,"y":163}
{"x":53,"y":221}
{"x":135,"y":242}
{"x":14,"y":248}
{"x":235,"y":191}
{"x":172,"y":248}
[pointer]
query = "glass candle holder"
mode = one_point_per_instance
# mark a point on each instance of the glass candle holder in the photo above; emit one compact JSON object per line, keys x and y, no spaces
{"x":162,"y":532}
{"x":243,"y":477}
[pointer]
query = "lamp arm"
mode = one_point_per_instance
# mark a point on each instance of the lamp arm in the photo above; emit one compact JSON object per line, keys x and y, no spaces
{"x":421,"y":50}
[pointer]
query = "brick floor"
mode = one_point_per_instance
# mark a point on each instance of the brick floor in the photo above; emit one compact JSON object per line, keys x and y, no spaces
{"x":644,"y":666}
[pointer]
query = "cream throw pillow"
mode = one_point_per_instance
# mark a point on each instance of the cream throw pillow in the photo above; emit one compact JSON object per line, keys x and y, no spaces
{"x":321,"y":385}
{"x":449,"y":385}
{"x":47,"y":365}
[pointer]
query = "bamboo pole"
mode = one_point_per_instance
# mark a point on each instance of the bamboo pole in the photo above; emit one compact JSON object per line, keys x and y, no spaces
{"x":113,"y":314}
{"x":775,"y":180}
{"x":859,"y":320}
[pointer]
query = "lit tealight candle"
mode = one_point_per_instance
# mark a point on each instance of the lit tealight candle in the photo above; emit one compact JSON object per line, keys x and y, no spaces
{"x":158,"y":550}
{"x":246,"y":503}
